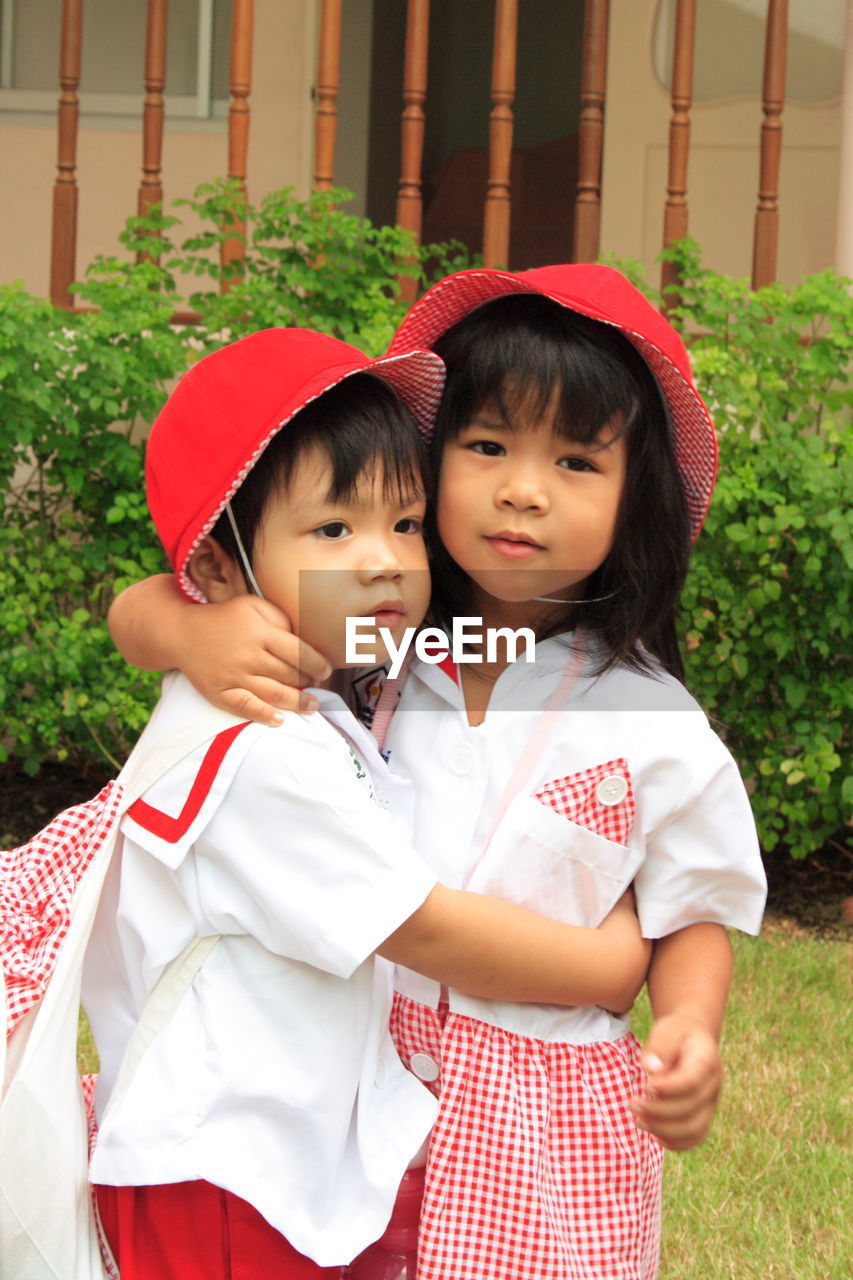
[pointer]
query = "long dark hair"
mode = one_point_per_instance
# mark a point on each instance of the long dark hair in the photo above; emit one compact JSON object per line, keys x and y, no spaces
{"x":528,"y":348}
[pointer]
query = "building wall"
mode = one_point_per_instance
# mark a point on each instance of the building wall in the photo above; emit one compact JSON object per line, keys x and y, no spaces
{"x":109,"y":154}
{"x":724,"y":164}
{"x":723,"y":173}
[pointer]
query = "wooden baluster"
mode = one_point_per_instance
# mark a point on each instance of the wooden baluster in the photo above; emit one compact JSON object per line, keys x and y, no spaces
{"x":675,"y":210}
{"x":773,"y":100}
{"x":498,"y":206}
{"x":233,"y":250}
{"x":591,"y":131}
{"x":64,"y":228}
{"x":328,"y":74}
{"x":410,"y":190}
{"x":150,"y":188}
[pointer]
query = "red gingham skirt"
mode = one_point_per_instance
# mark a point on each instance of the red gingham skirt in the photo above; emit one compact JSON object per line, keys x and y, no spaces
{"x":536,"y":1168}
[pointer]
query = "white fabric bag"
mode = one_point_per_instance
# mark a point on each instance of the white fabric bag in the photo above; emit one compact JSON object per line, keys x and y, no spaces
{"x":47,"y":1223}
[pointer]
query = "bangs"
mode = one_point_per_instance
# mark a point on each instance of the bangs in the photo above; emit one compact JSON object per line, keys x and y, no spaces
{"x":378,"y":437}
{"x":532,"y":358}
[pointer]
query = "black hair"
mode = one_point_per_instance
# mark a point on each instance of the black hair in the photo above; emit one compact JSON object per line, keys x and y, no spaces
{"x":360,"y":425}
{"x":528,"y":350}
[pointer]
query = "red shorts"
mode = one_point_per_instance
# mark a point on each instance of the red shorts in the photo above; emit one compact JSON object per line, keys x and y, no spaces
{"x":195,"y":1231}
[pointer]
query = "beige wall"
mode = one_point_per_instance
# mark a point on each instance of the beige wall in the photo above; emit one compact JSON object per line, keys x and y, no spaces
{"x":723,"y":171}
{"x":723,"y":175}
{"x":109,"y":153}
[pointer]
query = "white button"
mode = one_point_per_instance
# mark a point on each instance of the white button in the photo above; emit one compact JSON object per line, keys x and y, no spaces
{"x":424,"y":1067}
{"x":384,"y":802}
{"x":612,"y":790}
{"x":461,"y":758}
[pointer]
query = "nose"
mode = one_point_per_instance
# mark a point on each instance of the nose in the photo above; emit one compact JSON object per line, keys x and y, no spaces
{"x":523,"y":490}
{"x":380,"y":560}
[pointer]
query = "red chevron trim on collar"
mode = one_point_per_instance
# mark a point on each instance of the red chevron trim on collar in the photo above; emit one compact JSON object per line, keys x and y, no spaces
{"x":448,"y":666}
{"x":170,"y":829}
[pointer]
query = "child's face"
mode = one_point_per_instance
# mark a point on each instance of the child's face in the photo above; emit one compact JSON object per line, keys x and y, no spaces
{"x":526,"y":512}
{"x":322,"y":561}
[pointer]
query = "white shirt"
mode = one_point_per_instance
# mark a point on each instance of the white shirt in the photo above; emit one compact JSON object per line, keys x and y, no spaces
{"x":691,"y":850}
{"x":275,"y":1078}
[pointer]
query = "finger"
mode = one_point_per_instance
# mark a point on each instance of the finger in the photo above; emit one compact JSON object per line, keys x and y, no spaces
{"x":677,"y":1126}
{"x":697,"y":1072}
{"x":678,"y":1133}
{"x":304,"y":664}
{"x":281,"y":691}
{"x":683,"y":1140}
{"x":246,"y":705}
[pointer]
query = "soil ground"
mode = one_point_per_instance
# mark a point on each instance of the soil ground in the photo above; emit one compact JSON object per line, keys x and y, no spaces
{"x":814,"y":894}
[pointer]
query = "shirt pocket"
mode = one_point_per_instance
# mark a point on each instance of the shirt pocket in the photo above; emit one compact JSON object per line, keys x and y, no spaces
{"x":541,"y":859}
{"x":601,"y":799}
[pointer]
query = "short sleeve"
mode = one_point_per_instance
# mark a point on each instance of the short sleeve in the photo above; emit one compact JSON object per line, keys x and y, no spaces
{"x":299,"y":855}
{"x":702,"y":858}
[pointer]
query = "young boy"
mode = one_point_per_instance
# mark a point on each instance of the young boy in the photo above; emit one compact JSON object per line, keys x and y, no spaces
{"x":270,"y":1122}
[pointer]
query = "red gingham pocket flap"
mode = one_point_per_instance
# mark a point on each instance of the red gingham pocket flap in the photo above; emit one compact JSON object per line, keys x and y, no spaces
{"x":601,"y":799}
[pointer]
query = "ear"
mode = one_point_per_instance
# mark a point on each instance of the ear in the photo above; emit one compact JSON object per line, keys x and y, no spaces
{"x":215,"y":572}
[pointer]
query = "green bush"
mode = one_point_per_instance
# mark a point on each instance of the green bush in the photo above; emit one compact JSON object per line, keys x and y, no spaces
{"x":766,"y":612}
{"x":766,"y":621}
{"x":77,"y":391}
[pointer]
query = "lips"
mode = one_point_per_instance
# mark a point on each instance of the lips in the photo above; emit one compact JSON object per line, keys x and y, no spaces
{"x":513,"y":546}
{"x":390,"y":613}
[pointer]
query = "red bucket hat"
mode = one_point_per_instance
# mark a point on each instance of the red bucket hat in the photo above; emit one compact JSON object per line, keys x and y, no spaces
{"x":604,"y":294}
{"x":225,"y":411}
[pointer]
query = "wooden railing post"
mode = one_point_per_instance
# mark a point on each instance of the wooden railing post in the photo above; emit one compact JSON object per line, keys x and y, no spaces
{"x":591,"y":131}
{"x":410,"y":190}
{"x":328,"y":75}
{"x":675,"y":210}
{"x":64,"y":228}
{"x":233,"y":249}
{"x":497,"y":211}
{"x":151,"y":188}
{"x":773,"y":100}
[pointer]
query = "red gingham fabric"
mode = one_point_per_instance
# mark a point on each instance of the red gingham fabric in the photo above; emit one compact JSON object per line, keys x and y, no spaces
{"x":37,"y":884}
{"x":536,"y":1168}
{"x":577,"y":798}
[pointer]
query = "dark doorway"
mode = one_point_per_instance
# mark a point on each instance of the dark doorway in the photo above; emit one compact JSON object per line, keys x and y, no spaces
{"x":455,"y":170}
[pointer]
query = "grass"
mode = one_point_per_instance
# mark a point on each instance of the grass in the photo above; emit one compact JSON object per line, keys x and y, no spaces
{"x":769,"y":1195}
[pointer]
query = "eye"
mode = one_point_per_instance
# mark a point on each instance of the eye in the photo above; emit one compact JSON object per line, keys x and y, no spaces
{"x":488,"y":448}
{"x":576,"y":463}
{"x":409,"y":524}
{"x":333,"y":530}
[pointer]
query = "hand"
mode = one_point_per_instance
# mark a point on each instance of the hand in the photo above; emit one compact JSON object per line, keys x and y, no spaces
{"x":243,"y":657}
{"x":623,"y":929}
{"x":682,"y":1060}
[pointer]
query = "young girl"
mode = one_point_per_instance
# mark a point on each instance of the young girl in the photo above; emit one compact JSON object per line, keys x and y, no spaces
{"x":268,"y":1125}
{"x":574,"y":461}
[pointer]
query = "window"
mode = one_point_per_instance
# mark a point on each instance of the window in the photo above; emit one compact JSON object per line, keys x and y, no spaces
{"x":113,"y":56}
{"x":729,"y":58}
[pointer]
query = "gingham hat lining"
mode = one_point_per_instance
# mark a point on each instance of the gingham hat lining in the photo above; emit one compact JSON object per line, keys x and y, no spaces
{"x":456,"y":297}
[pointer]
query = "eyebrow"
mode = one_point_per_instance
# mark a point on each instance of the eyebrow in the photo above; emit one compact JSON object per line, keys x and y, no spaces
{"x":491,"y":424}
{"x":409,"y":498}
